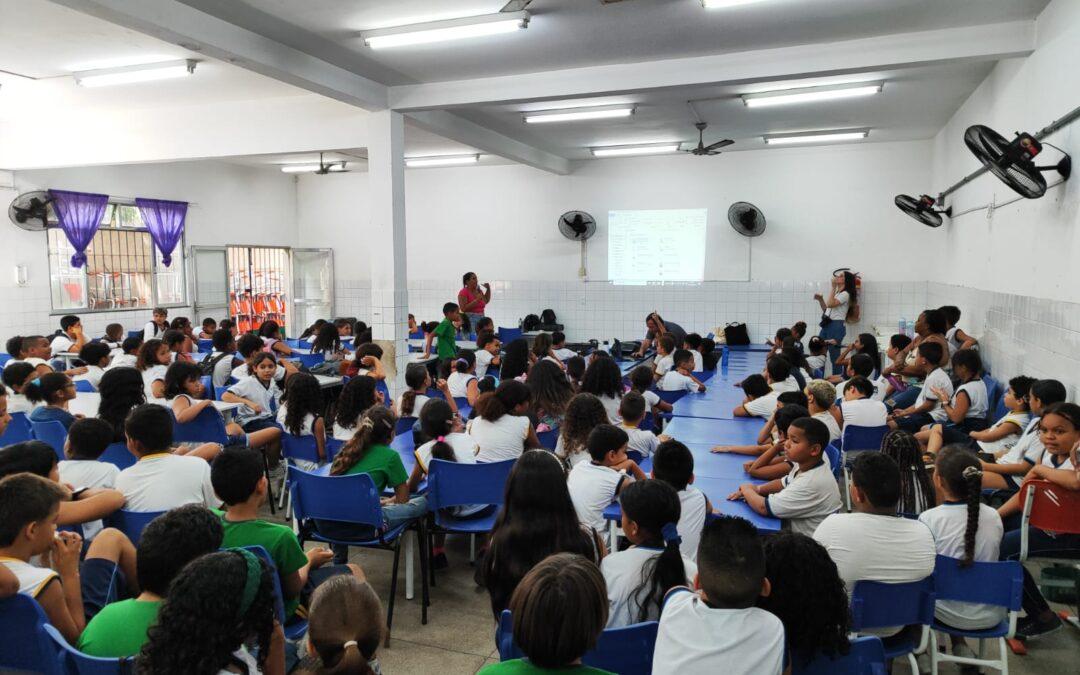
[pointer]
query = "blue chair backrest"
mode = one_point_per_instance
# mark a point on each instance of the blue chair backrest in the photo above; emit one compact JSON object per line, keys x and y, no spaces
{"x":131,"y":523}
{"x":71,"y":660}
{"x":309,"y":360}
{"x":218,"y":391}
{"x":670,"y":396}
{"x":862,"y":438}
{"x":462,"y":402}
{"x":118,"y":454}
{"x":879,"y":605}
{"x":293,"y":343}
{"x":208,"y":387}
{"x":207,"y":427}
{"x":84,"y":386}
{"x":835,"y":463}
{"x":18,"y":430}
{"x":995,"y":395}
{"x":404,"y":424}
{"x":867,"y":657}
{"x":627,"y":650}
{"x":4,"y":358}
{"x":333,"y":447}
{"x":25,"y":645}
{"x":454,"y":484}
{"x":418,"y":335}
{"x":380,"y":385}
{"x":52,"y":433}
{"x":647,"y":423}
{"x":432,"y":392}
{"x":350,"y":498}
{"x":206,"y":345}
{"x":299,"y":447}
{"x":548,"y":439}
{"x":986,"y":583}
{"x":508,"y":334}
{"x":135,"y":333}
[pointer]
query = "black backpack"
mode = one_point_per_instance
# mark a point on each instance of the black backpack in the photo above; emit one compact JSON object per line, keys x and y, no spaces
{"x":530,"y":323}
{"x":209,"y":362}
{"x":548,"y":317}
{"x":736,"y":334}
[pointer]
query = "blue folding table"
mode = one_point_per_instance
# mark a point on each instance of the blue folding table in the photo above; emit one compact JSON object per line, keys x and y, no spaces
{"x":714,"y":431}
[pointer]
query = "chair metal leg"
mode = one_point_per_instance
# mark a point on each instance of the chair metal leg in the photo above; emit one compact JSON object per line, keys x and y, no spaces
{"x":269,"y":483}
{"x":284,"y":489}
{"x":425,"y":563}
{"x":431,"y":553}
{"x":914,"y":663}
{"x":472,"y":548}
{"x":934,"y":653}
{"x":393,"y":590}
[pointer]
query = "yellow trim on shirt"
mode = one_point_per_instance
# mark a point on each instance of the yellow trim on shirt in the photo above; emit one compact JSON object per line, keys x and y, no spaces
{"x":155,"y":455}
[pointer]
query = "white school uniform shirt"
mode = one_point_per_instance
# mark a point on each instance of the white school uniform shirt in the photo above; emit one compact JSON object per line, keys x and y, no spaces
{"x":1064,"y":461}
{"x":644,"y":442}
{"x":483,"y":362}
{"x":611,"y":405}
{"x":18,"y":403}
{"x":165,"y":481}
{"x":32,"y":360}
{"x":88,"y":473}
{"x":123,"y":361}
{"x":151,"y":330}
{"x":881,"y":388}
{"x":953,"y":342}
{"x":699,"y":362}
{"x":1020,"y":419}
{"x":222,"y":369}
{"x":664,"y":364}
{"x":256,"y":392}
{"x":571,"y":458}
{"x":692,"y":520}
{"x":864,"y":412}
{"x":815,"y":362}
{"x":871,"y":547}
{"x":827,"y":418}
{"x":937,"y":379}
{"x":948,"y":523}
{"x":807,"y":498}
{"x":673,"y":380}
{"x":307,"y":428}
{"x":341,"y":433}
{"x":418,"y":404}
{"x":790,"y":384}
{"x":459,"y":383}
{"x":762,"y":406}
{"x":463,"y":445}
{"x":623,"y":574}
{"x":60,"y":343}
{"x":502,"y":439}
{"x":562,"y":353}
{"x":92,"y":375}
{"x":696,"y":638}
{"x":979,"y":402}
{"x":651,"y":399}
{"x":592,"y":489}
{"x":32,"y":579}
{"x":839,"y":313}
{"x":150,"y":376}
{"x":1027,"y":449}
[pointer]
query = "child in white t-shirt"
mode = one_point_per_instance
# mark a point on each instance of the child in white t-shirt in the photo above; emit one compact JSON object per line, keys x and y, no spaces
{"x":664,"y":360}
{"x":128,"y":355}
{"x":858,"y":408}
{"x":96,"y":356}
{"x":462,"y":381}
{"x":594,"y":484}
{"x":816,"y":359}
{"x":583,"y":414}
{"x":641,"y":381}
{"x":936,"y":388}
{"x":153,"y":360}
{"x":15,"y":377}
{"x":1004,"y":433}
{"x":487,"y":354}
{"x":692,"y":344}
{"x":679,"y":378}
{"x":258,"y":393}
{"x":1006,"y":471}
{"x":632,"y":411}
{"x":673,"y":464}
{"x":965,"y":409}
{"x":716,"y":628}
{"x":760,"y":399}
{"x":86,"y":441}
{"x":558,"y":346}
{"x":301,"y":414}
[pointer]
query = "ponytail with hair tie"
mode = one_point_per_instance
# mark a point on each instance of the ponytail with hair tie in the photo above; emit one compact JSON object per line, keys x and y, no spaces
{"x":670,"y":533}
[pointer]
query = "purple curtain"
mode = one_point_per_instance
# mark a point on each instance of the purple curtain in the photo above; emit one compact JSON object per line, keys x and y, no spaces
{"x":165,"y":220}
{"x":80,"y":215}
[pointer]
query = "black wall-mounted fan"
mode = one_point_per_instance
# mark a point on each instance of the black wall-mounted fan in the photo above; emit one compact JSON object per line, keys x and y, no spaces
{"x":922,"y":209}
{"x":30,"y":210}
{"x":746,"y":219}
{"x":577,"y":225}
{"x":1012,"y":162}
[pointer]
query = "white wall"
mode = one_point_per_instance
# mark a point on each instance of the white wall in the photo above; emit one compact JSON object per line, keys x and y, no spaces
{"x":230,"y":204}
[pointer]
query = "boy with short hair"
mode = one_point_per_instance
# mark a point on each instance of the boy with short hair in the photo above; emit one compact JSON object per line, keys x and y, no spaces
{"x":632,"y":409}
{"x":238,"y":479}
{"x":220,"y":360}
{"x":487,"y":353}
{"x":594,"y":484}
{"x":114,"y":336}
{"x":861,"y":365}
{"x":558,"y":346}
{"x":778,"y":375}
{"x":809,"y":493}
{"x":209,"y":327}
{"x":70,"y":338}
{"x":679,"y":377}
{"x":248,"y":346}
{"x":692,"y":344}
{"x":446,"y":332}
{"x":937,"y":384}
{"x":858,"y":407}
{"x":673,"y":463}
{"x":664,"y":360}
{"x":29,"y":507}
{"x":35,"y":350}
{"x":716,"y":628}
{"x":773,"y":464}
{"x":169,"y":542}
{"x":820,"y":396}
{"x":161,"y":480}
{"x":87,"y":439}
{"x":157,"y":326}
{"x":760,"y":398}
{"x":129,"y":353}
{"x":96,"y":356}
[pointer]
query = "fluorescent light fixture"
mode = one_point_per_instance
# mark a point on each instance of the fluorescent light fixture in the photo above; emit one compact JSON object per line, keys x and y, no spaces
{"x":639,"y":149}
{"x":578,"y":114}
{"x":724,"y":4}
{"x":817,"y":137}
{"x":442,"y":160}
{"x":145,"y":72}
{"x":811,"y":94}
{"x":449,"y":29}
{"x":311,"y":168}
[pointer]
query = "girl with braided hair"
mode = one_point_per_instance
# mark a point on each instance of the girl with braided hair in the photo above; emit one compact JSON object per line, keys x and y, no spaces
{"x":916,"y":491}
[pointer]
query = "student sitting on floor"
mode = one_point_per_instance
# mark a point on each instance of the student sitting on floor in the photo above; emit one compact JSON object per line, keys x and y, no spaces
{"x":937,"y":388}
{"x":773,"y":464}
{"x":168,"y":543}
{"x":808,"y":494}
{"x":1006,"y":471}
{"x":717,"y":628}
{"x":820,"y":396}
{"x":639,"y":577}
{"x":966,"y":409}
{"x":664,"y":360}
{"x":673,"y":464}
{"x":300,"y":414}
{"x":96,"y":356}
{"x":680,"y":377}
{"x":760,"y":398}
{"x":1004,"y":433}
{"x":858,"y":408}
{"x":129,"y":353}
{"x":692,"y":344}
{"x":50,"y":394}
{"x":29,"y":506}
{"x":916,"y":489}
{"x":594,"y":484}
{"x":871,"y":543}
{"x":632,"y":411}
{"x":238,"y":480}
{"x":345,"y":628}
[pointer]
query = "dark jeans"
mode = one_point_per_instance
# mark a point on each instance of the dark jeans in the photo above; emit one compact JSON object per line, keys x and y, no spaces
{"x":1040,"y":544}
{"x":836,"y":330}
{"x":903,"y":399}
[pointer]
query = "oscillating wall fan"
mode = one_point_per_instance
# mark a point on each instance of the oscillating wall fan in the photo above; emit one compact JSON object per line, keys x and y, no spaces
{"x":577,"y":225}
{"x":922,"y":209}
{"x":746,"y":219}
{"x":30,"y":210}
{"x":1012,"y":161}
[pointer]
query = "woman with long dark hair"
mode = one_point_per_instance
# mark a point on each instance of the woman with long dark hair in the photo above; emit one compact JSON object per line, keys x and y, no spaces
{"x":838,"y":307}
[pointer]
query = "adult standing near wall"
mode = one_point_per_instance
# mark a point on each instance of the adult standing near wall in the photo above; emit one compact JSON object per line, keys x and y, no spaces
{"x":471,"y":299}
{"x":836,"y":308}
{"x":655,"y":327}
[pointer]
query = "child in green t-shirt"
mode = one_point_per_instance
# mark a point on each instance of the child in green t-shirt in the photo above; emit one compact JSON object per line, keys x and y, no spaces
{"x":237,"y":476}
{"x":446,"y":331}
{"x":169,"y":542}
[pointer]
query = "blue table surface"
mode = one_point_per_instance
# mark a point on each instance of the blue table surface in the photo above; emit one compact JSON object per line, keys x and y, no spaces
{"x":714,"y":431}
{"x":717,"y":490}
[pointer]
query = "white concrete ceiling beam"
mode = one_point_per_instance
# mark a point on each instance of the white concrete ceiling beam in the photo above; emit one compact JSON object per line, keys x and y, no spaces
{"x":455,"y":127}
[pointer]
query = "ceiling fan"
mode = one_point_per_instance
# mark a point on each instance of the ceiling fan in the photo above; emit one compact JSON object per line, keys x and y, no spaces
{"x":704,"y":150}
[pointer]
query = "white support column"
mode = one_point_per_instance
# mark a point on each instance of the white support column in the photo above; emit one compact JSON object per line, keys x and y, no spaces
{"x":389,"y":293}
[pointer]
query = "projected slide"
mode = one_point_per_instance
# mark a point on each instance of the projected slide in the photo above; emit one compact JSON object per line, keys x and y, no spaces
{"x":649,"y":247}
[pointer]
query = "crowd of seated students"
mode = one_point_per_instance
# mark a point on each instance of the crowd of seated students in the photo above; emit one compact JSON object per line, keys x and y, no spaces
{"x":723,"y":596}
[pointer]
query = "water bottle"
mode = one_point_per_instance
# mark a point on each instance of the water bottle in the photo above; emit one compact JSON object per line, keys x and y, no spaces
{"x":724,"y":355}
{"x":903,"y":326}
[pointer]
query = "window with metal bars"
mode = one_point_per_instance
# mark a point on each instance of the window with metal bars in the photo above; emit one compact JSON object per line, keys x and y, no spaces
{"x":123,"y":268}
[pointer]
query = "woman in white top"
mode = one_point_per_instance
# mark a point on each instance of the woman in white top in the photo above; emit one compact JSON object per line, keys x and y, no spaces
{"x":836,"y":308}
{"x":153,"y":360}
{"x":462,"y":380}
{"x":232,"y":593}
{"x":502,"y":430}
{"x":639,"y":577}
{"x":301,"y":415}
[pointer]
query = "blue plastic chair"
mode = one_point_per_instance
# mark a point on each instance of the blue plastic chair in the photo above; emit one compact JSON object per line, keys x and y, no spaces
{"x":303,"y":448}
{"x":26,"y":646}
{"x":835,"y":461}
{"x":670,"y":396}
{"x":206,"y":345}
{"x":867,"y":657}
{"x":52,"y":433}
{"x":879,"y":605}
{"x":333,"y":447}
{"x":627,"y":650}
{"x":380,"y":385}
{"x":131,"y":523}
{"x":208,"y":387}
{"x":71,"y":660}
{"x":84,"y":386}
{"x":4,"y":358}
{"x":703,"y":375}
{"x":548,"y":439}
{"x":647,"y":422}
{"x":135,"y":333}
{"x":452,"y":484}
{"x":858,"y":439}
{"x":404,"y":424}
{"x":418,"y":335}
{"x":207,"y":427}
{"x":508,"y":334}
{"x":995,"y":395}
{"x":18,"y":430}
{"x":308,"y":360}
{"x":295,"y":628}
{"x":462,"y":402}
{"x":218,"y":391}
{"x":293,"y":343}
{"x":352,"y":498}
{"x":987,"y":583}
{"x":119,"y":455}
